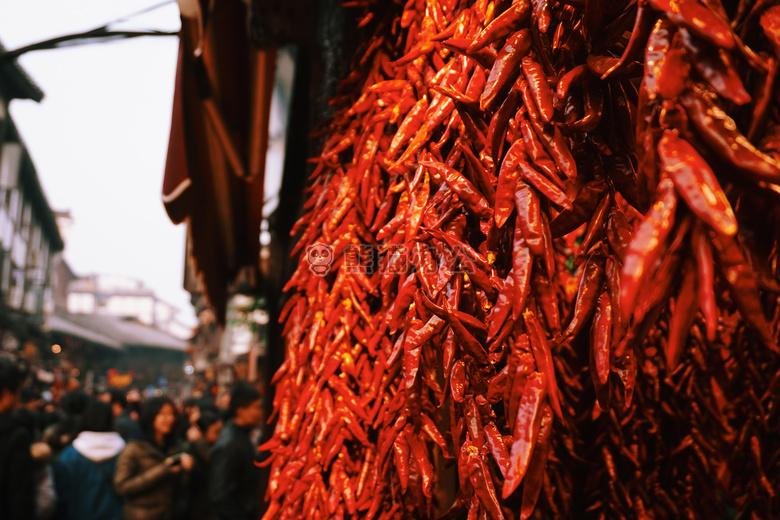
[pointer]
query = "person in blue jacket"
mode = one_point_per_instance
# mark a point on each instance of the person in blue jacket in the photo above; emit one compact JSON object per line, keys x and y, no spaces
{"x":84,"y":472}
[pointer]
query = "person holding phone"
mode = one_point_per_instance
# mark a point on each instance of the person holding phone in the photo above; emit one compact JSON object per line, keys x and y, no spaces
{"x":147,"y":470}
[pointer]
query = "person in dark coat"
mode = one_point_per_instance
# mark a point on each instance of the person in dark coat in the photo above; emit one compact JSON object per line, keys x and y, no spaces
{"x":201,"y":437}
{"x":233,"y":486}
{"x":84,"y":473}
{"x":17,"y":483}
{"x":146,"y":471}
{"x":124,"y":424}
{"x":73,"y":404}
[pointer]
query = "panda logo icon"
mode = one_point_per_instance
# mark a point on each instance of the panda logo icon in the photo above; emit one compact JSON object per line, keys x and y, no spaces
{"x":320,"y":258}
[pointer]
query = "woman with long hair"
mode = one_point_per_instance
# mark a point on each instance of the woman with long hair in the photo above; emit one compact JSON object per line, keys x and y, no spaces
{"x":147,"y":469}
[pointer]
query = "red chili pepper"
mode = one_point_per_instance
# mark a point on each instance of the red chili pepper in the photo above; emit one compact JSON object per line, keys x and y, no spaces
{"x":507,"y":181}
{"x":522,"y":263}
{"x":481,"y":479}
{"x":601,"y":340}
{"x":401,"y":454}
{"x":551,"y":138}
{"x":537,"y":152}
{"x":511,"y":20}
{"x":721,"y":133}
{"x":612,"y":272}
{"x":497,"y":447}
{"x":761,"y":108}
{"x":643,"y":25}
{"x":646,"y":246}
{"x":618,"y":233}
{"x":540,"y":348}
{"x":706,"y":279}
{"x":497,"y":386}
{"x":411,"y":364}
{"x":697,"y":18}
{"x":770,"y":23}
{"x":458,"y":381}
{"x":594,"y":230}
{"x":526,"y":430}
{"x":589,"y":289}
{"x":674,"y":74}
{"x":534,"y":477}
{"x":420,"y":454}
{"x":472,"y":199}
{"x":696,"y":183}
{"x":418,"y":202}
{"x":524,"y":366}
{"x":583,"y":206}
{"x":658,"y":45}
{"x":685,"y":308}
{"x":537,"y":83}
{"x":505,"y":70}
{"x":481,"y":173}
{"x":658,"y":289}
{"x":742,"y":285}
{"x":502,"y":308}
{"x":544,"y":294}
{"x":411,"y":123}
{"x":543,"y":184}
{"x":396,"y":222}
{"x":594,"y":108}
{"x":498,"y":124}
{"x":530,"y":217}
{"x":430,"y":429}
{"x":572,"y":78}
{"x":484,"y":57}
{"x":716,"y":67}
{"x":542,"y":15}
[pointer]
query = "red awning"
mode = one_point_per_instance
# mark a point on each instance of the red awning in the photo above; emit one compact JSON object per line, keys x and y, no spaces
{"x":218,"y":142}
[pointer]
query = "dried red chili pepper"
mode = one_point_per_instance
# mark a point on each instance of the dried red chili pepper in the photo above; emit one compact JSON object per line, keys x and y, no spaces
{"x":508,"y":22}
{"x":504,"y":71}
{"x":646,"y":246}
{"x":716,"y":68}
{"x":697,"y":18}
{"x":696,"y":183}
{"x":537,"y":83}
{"x":721,"y":133}
{"x":742,"y":283}
{"x":589,"y":289}
{"x":480,"y":477}
{"x":682,"y":318}
{"x":526,"y":430}
{"x":465,"y":190}
{"x":507,"y":181}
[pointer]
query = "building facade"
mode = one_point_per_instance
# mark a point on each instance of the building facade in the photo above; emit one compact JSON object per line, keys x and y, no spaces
{"x":123,"y":297}
{"x":29,"y":237}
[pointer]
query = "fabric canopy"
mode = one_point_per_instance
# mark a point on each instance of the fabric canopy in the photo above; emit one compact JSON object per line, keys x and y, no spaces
{"x":218,"y":141}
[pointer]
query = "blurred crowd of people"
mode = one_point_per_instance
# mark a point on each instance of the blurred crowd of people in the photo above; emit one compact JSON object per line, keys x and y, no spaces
{"x":106,"y":457}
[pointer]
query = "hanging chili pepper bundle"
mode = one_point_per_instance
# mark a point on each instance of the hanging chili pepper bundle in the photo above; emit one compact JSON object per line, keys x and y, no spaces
{"x":518,"y":278}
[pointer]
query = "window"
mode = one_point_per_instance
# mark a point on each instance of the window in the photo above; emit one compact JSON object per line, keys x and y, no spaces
{"x":16,"y":290}
{"x":10,"y":158}
{"x":26,"y":221}
{"x":81,"y":303}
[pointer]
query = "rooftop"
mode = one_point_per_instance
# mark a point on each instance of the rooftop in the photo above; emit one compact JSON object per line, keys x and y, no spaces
{"x":113,"y":332}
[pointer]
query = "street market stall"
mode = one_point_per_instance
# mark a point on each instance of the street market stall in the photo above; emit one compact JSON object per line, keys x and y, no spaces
{"x":543,"y":252}
{"x":537,"y":267}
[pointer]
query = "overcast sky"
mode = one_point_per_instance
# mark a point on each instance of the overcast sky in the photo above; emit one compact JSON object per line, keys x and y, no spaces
{"x":99,"y":138}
